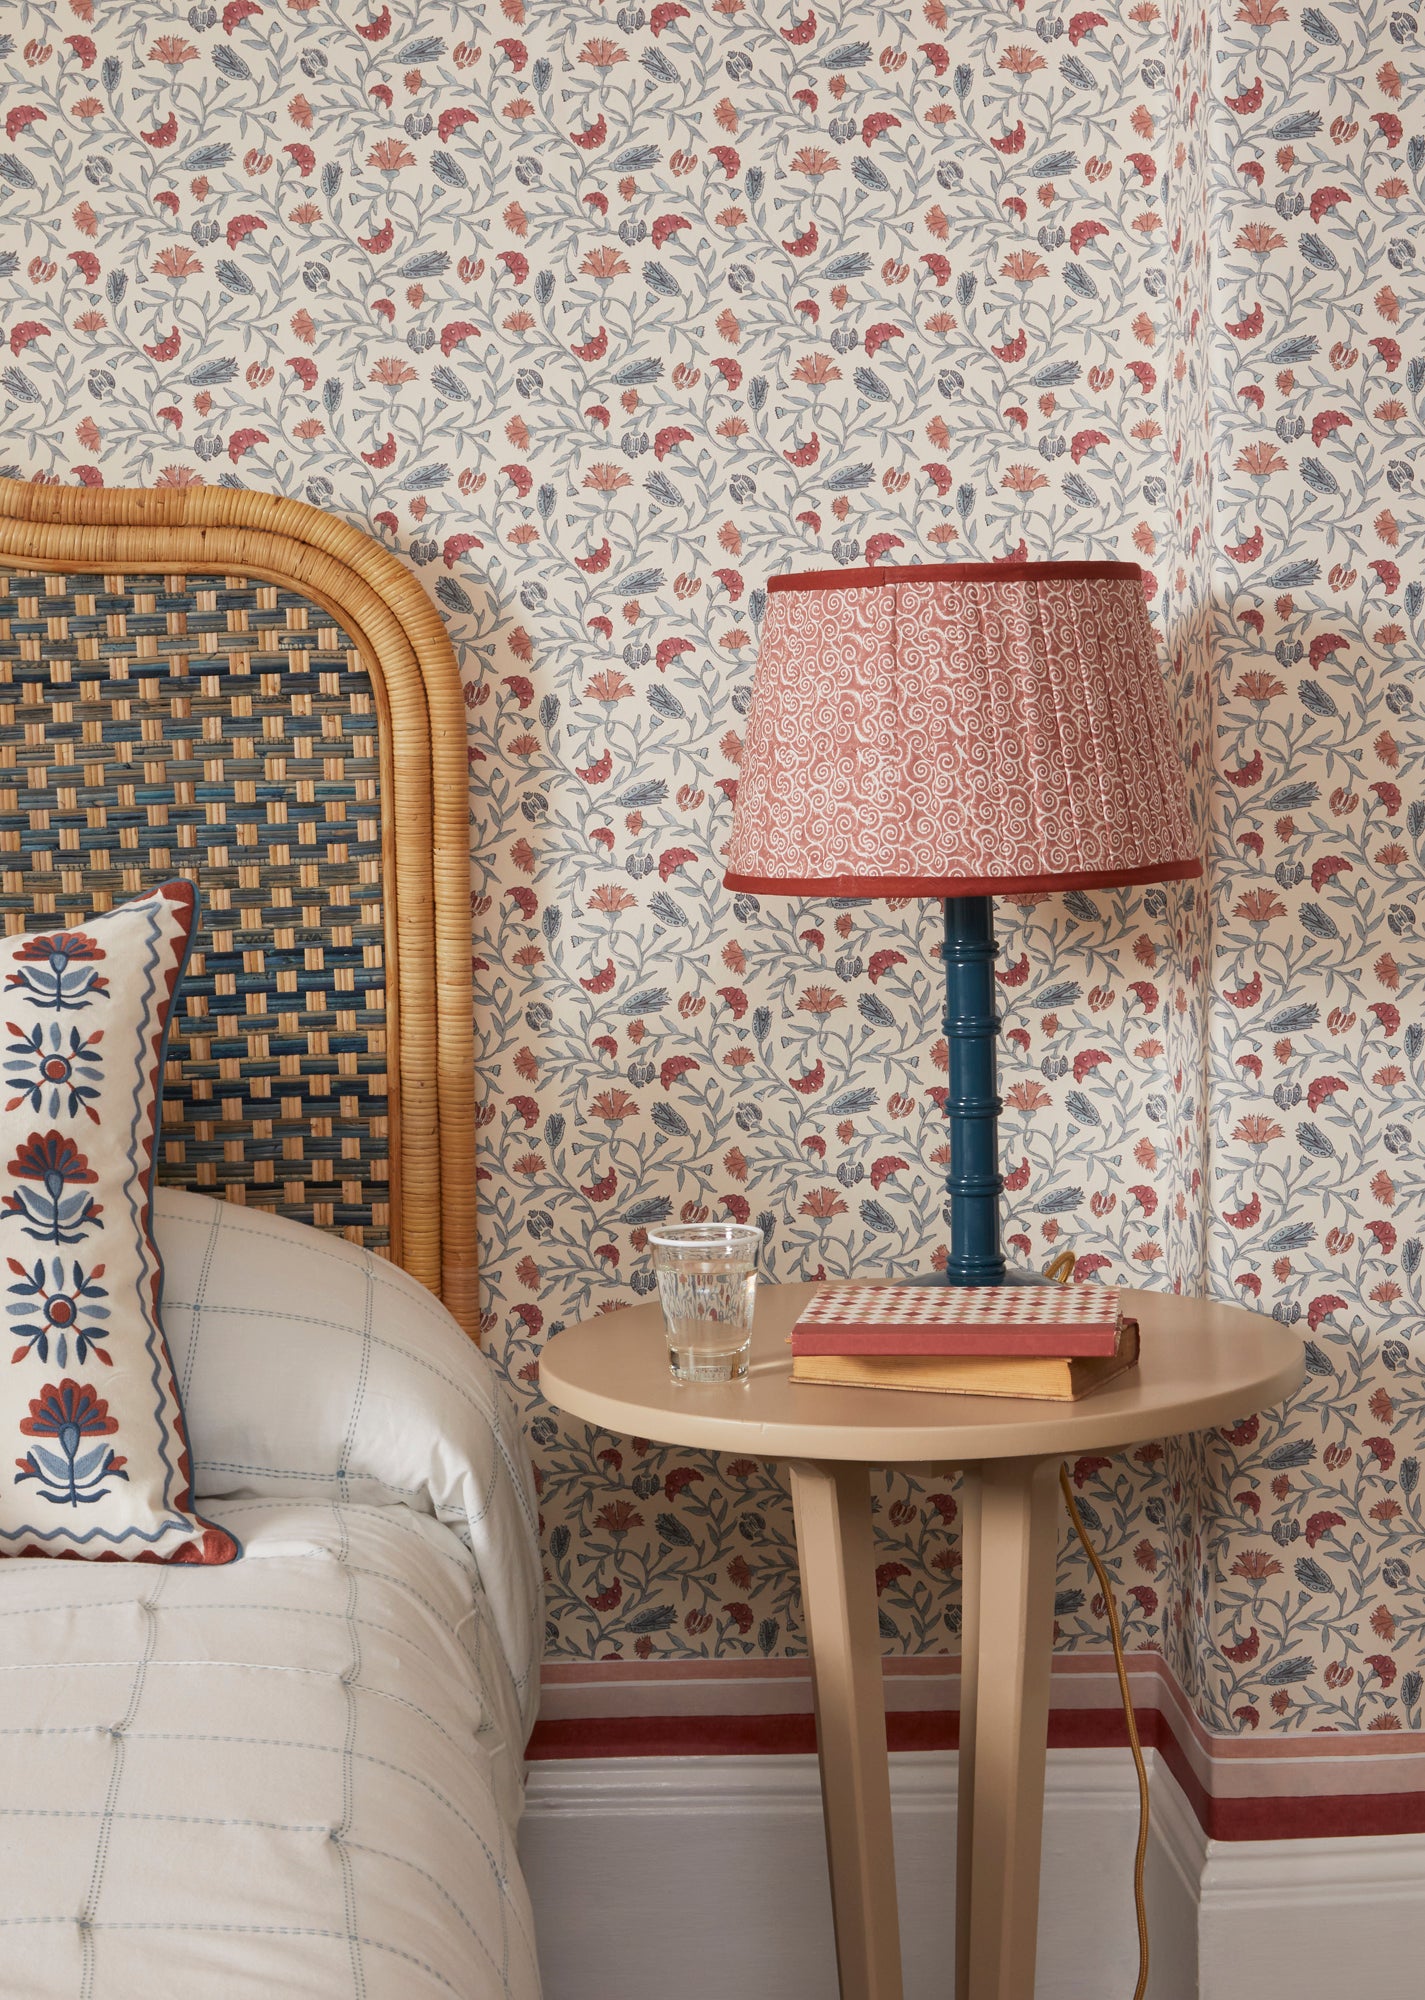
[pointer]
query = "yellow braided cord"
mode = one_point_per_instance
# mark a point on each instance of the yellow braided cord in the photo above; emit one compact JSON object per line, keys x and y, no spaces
{"x":1140,"y":1857}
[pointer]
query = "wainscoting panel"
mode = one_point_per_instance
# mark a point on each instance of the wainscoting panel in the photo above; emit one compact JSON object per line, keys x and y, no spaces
{"x":704,"y":1877}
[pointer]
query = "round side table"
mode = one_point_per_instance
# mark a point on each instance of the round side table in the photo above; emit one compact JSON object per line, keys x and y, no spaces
{"x":1201,"y":1364}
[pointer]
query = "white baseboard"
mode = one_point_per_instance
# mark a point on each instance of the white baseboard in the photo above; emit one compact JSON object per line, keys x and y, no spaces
{"x":1313,"y":1918}
{"x":697,"y":1877}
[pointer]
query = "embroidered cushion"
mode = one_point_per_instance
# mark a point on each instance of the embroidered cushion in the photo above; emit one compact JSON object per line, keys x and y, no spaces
{"x":93,"y":1453}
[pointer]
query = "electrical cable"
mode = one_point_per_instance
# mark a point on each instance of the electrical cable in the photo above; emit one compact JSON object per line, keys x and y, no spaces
{"x":1139,"y":1907}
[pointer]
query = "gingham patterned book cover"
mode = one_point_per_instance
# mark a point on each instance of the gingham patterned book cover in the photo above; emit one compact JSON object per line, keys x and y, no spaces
{"x":1050,"y":1321}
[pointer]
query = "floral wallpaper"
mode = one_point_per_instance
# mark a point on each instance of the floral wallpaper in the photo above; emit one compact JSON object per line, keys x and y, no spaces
{"x":599,"y":316}
{"x":1307,"y":1568}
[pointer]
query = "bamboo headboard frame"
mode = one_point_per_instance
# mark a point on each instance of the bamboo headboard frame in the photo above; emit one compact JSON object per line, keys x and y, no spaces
{"x":425,"y":870}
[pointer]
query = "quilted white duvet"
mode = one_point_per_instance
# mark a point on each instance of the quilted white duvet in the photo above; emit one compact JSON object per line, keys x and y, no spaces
{"x":298,"y":1775}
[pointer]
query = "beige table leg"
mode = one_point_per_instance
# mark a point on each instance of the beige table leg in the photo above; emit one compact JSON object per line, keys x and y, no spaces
{"x":1006,"y":1645}
{"x":832,"y":1504}
{"x":969,"y":1682}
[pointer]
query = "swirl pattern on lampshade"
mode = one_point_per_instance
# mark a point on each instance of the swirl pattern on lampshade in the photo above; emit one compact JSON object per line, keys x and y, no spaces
{"x":959,"y":729}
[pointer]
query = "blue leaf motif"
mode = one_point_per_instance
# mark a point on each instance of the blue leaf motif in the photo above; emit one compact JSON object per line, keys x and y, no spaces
{"x":850,"y":478}
{"x":644,"y":1214}
{"x":1310,"y":1574}
{"x":1318,"y":27}
{"x":1295,"y":1236}
{"x":849,"y":1102}
{"x":1287,"y":1457}
{"x":1291,"y":353}
{"x":449,"y":383}
{"x":648,"y":1000}
{"x":1298,"y":1668}
{"x":1061,"y":1202}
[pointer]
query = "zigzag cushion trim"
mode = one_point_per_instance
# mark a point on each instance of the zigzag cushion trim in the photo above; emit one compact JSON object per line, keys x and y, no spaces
{"x":225,"y":730}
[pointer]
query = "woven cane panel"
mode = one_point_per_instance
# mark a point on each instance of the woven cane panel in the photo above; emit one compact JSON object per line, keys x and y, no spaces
{"x":224,"y":730}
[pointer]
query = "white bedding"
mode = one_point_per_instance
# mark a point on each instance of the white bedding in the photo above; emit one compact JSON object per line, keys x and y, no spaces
{"x":298,"y":1775}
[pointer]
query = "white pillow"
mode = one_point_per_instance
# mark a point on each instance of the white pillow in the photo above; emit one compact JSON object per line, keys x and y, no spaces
{"x":310,"y":1368}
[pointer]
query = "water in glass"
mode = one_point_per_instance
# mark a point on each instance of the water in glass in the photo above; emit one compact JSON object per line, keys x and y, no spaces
{"x":707,"y":1282}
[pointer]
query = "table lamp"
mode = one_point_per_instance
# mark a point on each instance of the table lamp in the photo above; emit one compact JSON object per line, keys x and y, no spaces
{"x":962,"y":730}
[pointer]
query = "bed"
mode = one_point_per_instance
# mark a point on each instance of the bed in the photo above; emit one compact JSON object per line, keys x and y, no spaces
{"x":299,"y":1773}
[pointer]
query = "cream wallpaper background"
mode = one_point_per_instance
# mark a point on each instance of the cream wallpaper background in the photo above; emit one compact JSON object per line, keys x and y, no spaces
{"x":599,"y":316}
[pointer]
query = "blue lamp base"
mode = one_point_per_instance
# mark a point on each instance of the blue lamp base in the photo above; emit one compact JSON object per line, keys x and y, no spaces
{"x":972,"y":1104}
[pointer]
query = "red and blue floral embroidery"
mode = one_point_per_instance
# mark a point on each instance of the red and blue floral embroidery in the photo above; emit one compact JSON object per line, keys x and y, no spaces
{"x":52,"y":1200}
{"x":48,"y":1068}
{"x":58,"y":971}
{"x":52,"y":1310}
{"x":68,"y":1412}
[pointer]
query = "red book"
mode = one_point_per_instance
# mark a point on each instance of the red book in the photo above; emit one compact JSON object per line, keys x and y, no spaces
{"x":1007,"y":1321}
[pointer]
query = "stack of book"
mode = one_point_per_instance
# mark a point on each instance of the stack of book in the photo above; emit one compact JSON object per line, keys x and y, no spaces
{"x":1053,"y":1343}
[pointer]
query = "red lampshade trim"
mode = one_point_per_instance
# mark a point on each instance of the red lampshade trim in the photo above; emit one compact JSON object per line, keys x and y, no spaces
{"x":990,"y":885}
{"x":966,"y":572}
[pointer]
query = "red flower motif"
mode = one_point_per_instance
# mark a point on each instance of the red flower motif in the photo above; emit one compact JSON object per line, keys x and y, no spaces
{"x":52,"y":1158}
{"x":69,"y":1405}
{"x":64,"y":948}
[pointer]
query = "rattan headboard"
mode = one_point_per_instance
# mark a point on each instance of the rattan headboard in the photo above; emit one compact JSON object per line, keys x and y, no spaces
{"x":240,"y":689}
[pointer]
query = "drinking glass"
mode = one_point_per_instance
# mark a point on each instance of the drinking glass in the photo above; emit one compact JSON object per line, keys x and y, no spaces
{"x":707,"y":1282}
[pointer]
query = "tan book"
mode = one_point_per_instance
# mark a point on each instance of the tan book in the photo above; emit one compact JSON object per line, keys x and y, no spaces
{"x":1039,"y":1379}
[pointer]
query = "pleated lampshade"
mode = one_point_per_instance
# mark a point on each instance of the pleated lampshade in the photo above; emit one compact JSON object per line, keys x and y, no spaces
{"x":961,"y":729}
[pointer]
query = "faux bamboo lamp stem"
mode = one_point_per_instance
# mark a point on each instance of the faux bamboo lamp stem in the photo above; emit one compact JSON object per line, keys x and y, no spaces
{"x":972,"y":1105}
{"x":960,"y":730}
